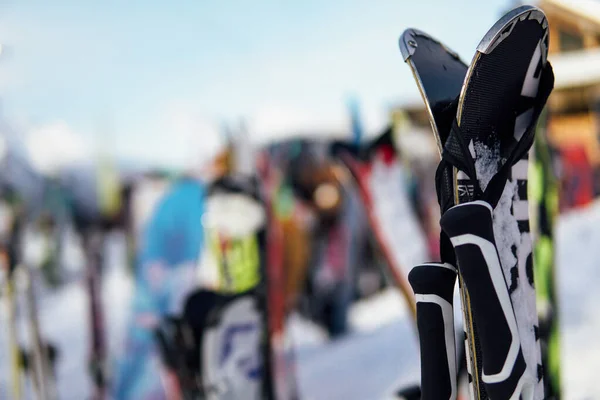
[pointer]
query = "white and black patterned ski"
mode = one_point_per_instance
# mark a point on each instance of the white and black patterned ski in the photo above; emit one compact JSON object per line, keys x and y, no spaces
{"x":507,"y":85}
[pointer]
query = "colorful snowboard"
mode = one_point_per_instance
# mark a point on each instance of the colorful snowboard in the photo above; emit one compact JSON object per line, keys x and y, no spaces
{"x":381,"y":180}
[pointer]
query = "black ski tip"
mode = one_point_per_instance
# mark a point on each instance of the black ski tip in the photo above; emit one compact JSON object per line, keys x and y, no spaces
{"x":409,"y":393}
{"x":385,"y":138}
{"x":407,"y":42}
{"x":504,"y":25}
{"x":247,"y":185}
{"x":365,"y":150}
{"x":339,"y":147}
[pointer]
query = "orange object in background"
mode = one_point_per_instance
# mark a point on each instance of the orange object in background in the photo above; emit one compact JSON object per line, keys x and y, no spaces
{"x":577,"y":182}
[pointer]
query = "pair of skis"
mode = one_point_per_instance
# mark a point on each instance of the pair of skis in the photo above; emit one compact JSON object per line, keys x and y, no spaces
{"x":39,"y":362}
{"x":484,"y":117}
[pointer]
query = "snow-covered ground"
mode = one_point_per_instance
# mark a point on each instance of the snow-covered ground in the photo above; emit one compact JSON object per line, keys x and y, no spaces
{"x":64,"y":321}
{"x":382,"y":351}
{"x":380,"y":355}
{"x":578,"y":279}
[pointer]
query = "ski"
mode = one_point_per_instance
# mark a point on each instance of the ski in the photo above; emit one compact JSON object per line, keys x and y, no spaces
{"x":439,"y":73}
{"x":38,"y":362}
{"x":470,"y":229}
{"x":512,"y":58}
{"x":507,"y":85}
{"x":16,"y":362}
{"x":279,"y":290}
{"x":84,"y":194}
{"x":408,"y":393}
{"x":543,"y":192}
{"x":93,"y":244}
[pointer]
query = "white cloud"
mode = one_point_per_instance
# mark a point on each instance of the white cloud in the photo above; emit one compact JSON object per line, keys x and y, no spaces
{"x":182,"y":135}
{"x":54,"y":146}
{"x":272,"y":122}
{"x":188,"y":138}
{"x":278,"y":121}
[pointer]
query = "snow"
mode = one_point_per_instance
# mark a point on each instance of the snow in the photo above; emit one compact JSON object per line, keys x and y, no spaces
{"x":64,"y":321}
{"x":578,"y":277}
{"x":508,"y":237}
{"x":365,"y":365}
{"x":506,"y":232}
{"x":380,"y":355}
{"x":485,"y":162}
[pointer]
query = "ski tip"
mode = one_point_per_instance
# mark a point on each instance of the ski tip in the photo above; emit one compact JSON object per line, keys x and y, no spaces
{"x":407,"y":43}
{"x":502,"y":28}
{"x":408,"y":393}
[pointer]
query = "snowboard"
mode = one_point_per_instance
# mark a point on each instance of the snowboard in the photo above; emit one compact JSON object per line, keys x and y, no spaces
{"x":233,"y":350}
{"x":171,"y":240}
{"x":381,"y":179}
{"x":234,"y":225}
{"x":485,"y":159}
{"x":179,"y":341}
{"x":242,"y":247}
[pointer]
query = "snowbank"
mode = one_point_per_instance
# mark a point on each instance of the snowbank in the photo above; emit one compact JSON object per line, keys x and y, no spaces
{"x":578,"y":278}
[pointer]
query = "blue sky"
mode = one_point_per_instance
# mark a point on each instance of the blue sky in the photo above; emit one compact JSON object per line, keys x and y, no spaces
{"x":160,"y":74}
